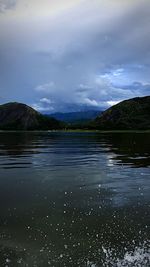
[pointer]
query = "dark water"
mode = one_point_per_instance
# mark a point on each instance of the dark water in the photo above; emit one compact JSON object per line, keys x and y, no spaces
{"x":74,"y":199}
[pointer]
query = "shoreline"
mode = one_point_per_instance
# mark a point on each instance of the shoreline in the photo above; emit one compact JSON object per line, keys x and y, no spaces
{"x":75,"y":131}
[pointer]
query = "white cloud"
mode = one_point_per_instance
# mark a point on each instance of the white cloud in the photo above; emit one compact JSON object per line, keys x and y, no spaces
{"x":112,"y":103}
{"x":46,"y":100}
{"x":45,"y":88}
{"x":117,"y":72}
{"x":89,"y":102}
{"x":41,"y":108}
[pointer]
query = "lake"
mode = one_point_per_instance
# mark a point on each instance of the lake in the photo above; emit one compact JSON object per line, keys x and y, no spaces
{"x":74,"y":199}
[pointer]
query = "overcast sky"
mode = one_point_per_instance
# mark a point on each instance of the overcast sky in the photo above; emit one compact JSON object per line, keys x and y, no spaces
{"x":65,"y":55}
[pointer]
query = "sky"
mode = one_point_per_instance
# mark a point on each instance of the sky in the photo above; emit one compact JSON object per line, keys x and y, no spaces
{"x":73,"y":55}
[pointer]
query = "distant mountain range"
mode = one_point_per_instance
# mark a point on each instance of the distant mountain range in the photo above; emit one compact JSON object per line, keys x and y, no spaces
{"x":127,"y":115}
{"x":76,"y":117}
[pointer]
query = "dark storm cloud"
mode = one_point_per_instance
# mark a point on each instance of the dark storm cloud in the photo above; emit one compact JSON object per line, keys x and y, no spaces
{"x":137,"y":87}
{"x":91,"y":55}
{"x":7,"y":4}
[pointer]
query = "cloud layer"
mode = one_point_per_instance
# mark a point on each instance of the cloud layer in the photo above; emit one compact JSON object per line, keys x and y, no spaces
{"x":73,"y":55}
{"x":7,"y":4}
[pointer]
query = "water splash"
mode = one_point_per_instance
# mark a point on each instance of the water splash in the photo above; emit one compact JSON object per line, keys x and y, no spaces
{"x":139,"y":257}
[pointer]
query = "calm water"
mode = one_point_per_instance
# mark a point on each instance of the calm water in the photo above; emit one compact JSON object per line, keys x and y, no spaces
{"x":74,"y":199}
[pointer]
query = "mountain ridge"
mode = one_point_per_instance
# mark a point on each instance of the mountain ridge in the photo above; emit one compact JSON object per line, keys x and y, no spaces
{"x":127,"y":115}
{"x":131,"y":114}
{"x":76,"y":116}
{"x":19,"y":116}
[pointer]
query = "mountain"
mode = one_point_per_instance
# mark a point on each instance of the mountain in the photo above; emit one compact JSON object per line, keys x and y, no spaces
{"x":76,"y":117}
{"x":18,"y":116}
{"x":129,"y":114}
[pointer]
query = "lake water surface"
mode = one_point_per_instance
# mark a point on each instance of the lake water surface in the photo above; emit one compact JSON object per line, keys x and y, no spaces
{"x":74,"y":199}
